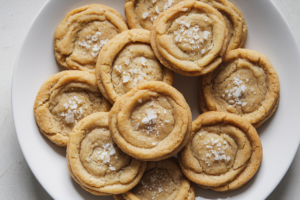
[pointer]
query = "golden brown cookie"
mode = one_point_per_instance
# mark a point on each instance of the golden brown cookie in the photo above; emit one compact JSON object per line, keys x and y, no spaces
{"x":127,"y":60}
{"x":190,"y":38}
{"x":162,"y":180}
{"x":95,"y":161}
{"x":80,"y":36}
{"x":224,"y":153}
{"x":245,"y":84}
{"x":63,"y":100}
{"x":152,"y":122}
{"x":234,"y":20}
{"x":141,"y":15}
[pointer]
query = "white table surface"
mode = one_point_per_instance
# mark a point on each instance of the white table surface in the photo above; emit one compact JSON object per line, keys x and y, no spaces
{"x":16,"y":179}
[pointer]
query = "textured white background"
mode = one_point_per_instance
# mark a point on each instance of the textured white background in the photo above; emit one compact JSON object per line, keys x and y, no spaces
{"x":16,"y":179}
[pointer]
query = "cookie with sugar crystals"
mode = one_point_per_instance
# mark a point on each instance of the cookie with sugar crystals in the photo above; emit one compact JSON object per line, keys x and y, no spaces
{"x":151,"y":122}
{"x":96,"y":163}
{"x":224,"y":153}
{"x":245,"y":84}
{"x":190,"y":38}
{"x":141,"y":14}
{"x":234,"y":21}
{"x":63,"y":100}
{"x":163,"y":180}
{"x":127,"y":60}
{"x":82,"y":33}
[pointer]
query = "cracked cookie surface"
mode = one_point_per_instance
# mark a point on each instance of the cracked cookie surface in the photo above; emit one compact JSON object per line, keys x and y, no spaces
{"x":126,"y":61}
{"x":83,"y":32}
{"x":190,"y":38}
{"x":224,"y":153}
{"x":63,"y":100}
{"x":245,"y":84}
{"x":95,"y":161}
{"x":162,"y":180}
{"x":151,"y":122}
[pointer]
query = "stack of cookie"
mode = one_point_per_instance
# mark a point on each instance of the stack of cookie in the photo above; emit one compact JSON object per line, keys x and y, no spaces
{"x":122,"y":121}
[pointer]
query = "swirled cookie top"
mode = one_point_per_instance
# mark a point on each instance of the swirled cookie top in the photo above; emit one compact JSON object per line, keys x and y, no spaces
{"x":245,"y":84}
{"x":152,"y":120}
{"x":83,"y":32}
{"x":142,"y":14}
{"x":99,"y":154}
{"x":216,"y":148}
{"x":126,"y":61}
{"x":63,"y":100}
{"x":155,"y":184}
{"x":192,"y":36}
{"x":97,"y":161}
{"x":72,"y":102}
{"x":240,"y":87}
{"x":161,"y":180}
{"x":224,"y":153}
{"x":136,"y":63}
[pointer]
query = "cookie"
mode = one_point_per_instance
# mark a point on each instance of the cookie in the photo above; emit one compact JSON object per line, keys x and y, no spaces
{"x":152,"y":122}
{"x":141,"y":14}
{"x":96,"y":163}
{"x":245,"y":84}
{"x":63,"y":100}
{"x":82,"y":33}
{"x":190,"y":38}
{"x":162,"y":180}
{"x":127,"y":60}
{"x":234,"y":21}
{"x":224,"y":153}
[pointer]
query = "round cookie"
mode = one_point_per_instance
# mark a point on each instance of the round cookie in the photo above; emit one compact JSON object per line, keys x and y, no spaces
{"x":96,"y":163}
{"x":141,"y":15}
{"x":82,"y":33}
{"x":63,"y":100}
{"x":190,"y":38}
{"x":162,"y":180}
{"x":224,"y":153}
{"x":127,"y":60}
{"x":234,"y":20}
{"x":245,"y":84}
{"x":152,"y":122}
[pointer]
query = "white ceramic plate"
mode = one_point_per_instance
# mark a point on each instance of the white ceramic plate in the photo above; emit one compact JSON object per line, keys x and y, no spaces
{"x":268,"y":33}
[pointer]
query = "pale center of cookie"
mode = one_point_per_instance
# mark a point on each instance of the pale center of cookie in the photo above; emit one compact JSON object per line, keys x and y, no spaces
{"x":155,"y":184}
{"x":192,"y":36}
{"x":242,"y":88}
{"x":155,"y":7}
{"x":131,"y":68}
{"x":74,"y":110}
{"x":215,"y":152}
{"x":153,"y":119}
{"x":72,"y":107}
{"x":99,"y":155}
{"x":91,"y":38}
{"x":147,"y":11}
